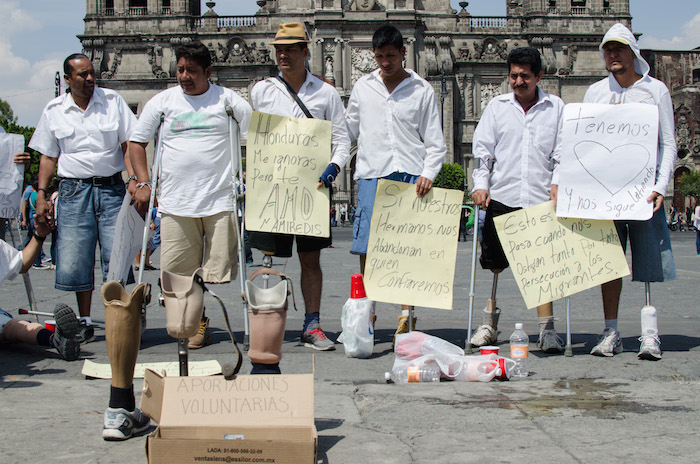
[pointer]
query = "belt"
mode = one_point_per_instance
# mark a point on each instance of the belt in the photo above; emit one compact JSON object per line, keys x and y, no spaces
{"x":100,"y":181}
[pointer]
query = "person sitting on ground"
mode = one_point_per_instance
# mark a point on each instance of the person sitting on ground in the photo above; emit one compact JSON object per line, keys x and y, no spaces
{"x":14,"y":262}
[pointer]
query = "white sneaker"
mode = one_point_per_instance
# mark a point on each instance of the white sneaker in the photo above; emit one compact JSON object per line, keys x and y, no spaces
{"x":484,"y":335}
{"x":550,"y":342}
{"x":650,"y":348}
{"x":609,"y":344}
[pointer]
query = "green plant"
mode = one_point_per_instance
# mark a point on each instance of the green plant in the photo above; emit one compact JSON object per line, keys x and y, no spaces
{"x":451,"y":176}
{"x":689,"y":184}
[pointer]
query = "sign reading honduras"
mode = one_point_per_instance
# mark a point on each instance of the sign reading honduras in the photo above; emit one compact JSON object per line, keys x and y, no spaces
{"x":286,"y":157}
{"x":608,"y":161}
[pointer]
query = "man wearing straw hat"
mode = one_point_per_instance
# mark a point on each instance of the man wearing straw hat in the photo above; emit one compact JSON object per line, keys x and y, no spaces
{"x":295,"y":92}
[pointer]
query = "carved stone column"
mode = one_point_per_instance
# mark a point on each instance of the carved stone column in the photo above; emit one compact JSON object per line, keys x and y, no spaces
{"x":411,"y":53}
{"x":339,"y":63}
{"x":468,"y":91}
{"x":317,"y":57}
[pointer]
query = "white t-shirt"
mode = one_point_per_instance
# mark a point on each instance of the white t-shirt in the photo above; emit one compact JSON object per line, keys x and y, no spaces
{"x":195,"y":175}
{"x":10,"y":261}
{"x":86,"y":143}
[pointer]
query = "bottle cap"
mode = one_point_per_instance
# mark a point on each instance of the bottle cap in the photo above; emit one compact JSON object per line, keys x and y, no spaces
{"x":357,"y":287}
{"x":518,"y":326}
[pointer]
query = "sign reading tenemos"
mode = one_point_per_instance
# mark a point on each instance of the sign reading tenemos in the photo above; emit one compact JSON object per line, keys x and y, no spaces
{"x":286,"y":157}
{"x":608,"y":161}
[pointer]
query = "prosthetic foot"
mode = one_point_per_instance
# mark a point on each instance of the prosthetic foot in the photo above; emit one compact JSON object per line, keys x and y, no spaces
{"x":487,"y":333}
{"x":123,"y":329}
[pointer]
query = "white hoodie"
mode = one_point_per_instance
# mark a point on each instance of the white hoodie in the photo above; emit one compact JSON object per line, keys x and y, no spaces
{"x":645,"y":90}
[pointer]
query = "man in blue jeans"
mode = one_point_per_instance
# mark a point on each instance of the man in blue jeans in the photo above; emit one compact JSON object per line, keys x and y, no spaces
{"x":84,"y":133}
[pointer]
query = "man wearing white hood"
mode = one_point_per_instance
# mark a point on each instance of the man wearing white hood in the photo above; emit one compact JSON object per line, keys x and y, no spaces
{"x":652,"y":259}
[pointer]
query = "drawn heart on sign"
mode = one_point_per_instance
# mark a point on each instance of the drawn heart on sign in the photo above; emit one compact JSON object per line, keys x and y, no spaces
{"x":595,"y":159}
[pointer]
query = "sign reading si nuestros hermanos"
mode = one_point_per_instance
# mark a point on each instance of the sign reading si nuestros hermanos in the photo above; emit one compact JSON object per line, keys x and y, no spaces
{"x":412,"y":245}
{"x":286,"y":157}
{"x":608,"y":161}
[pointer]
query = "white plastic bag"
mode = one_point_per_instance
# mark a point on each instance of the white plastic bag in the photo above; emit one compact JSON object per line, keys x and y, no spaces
{"x":358,"y":334}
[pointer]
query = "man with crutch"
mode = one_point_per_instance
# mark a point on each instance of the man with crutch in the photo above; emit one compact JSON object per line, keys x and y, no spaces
{"x":517,"y":143}
{"x":652,"y":258}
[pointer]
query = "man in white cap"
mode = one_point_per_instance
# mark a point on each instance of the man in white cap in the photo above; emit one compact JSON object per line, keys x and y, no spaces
{"x":295,"y":92}
{"x":652,"y":258}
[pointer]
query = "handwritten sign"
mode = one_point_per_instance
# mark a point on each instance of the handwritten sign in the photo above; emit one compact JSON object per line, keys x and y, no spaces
{"x":96,"y":370}
{"x":128,"y":235}
{"x":552,"y":257}
{"x":413,"y":245}
{"x":286,"y":157}
{"x":11,"y":175}
{"x":608,"y":161}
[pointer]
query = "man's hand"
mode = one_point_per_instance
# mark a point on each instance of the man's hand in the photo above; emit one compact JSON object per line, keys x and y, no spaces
{"x":141,"y":198}
{"x":41,"y":229}
{"x":423,"y":186}
{"x":553,"y":194}
{"x":657,"y":199}
{"x":481,"y":198}
{"x":23,"y":158}
{"x":44,"y":211}
{"x":328,"y":176}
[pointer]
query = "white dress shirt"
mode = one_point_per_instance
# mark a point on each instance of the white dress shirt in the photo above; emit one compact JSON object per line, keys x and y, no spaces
{"x":86,"y":143}
{"x":398,"y":131}
{"x":654,"y":92}
{"x":521,"y":147}
{"x":10,"y":261}
{"x":321,"y":99}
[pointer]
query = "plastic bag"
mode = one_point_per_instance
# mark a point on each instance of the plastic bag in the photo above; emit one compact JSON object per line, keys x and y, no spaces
{"x":358,"y":334}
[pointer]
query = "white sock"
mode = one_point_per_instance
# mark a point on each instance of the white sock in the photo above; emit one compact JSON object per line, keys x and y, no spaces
{"x":405,"y":312}
{"x":87,"y":320}
{"x":611,"y":324}
{"x":649,"y":324}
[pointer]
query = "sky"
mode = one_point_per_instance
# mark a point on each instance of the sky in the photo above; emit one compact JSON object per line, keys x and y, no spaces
{"x":36,"y":35}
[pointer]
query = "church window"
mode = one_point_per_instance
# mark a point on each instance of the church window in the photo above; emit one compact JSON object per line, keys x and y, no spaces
{"x":138,"y":3}
{"x":696,"y":76}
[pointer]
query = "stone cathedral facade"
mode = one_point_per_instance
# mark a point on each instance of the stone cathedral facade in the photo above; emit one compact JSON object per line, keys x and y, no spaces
{"x":131,"y":44}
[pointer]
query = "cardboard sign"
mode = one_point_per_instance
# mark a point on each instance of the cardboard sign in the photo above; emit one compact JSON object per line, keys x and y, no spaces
{"x":553,"y":257}
{"x":96,"y":370}
{"x":128,"y":237}
{"x":11,"y":175}
{"x":413,"y":245}
{"x":608,"y":161}
{"x":286,"y":157}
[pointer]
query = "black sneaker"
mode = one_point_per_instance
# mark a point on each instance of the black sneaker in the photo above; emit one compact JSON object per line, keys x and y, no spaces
{"x":86,"y":334}
{"x":64,"y":338}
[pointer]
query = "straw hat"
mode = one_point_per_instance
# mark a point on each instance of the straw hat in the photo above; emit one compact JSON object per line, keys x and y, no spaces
{"x":290,"y":33}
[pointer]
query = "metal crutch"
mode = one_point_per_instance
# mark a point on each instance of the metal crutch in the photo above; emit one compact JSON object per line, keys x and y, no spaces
{"x":568,"y":351}
{"x":237,"y":168}
{"x":25,"y":276}
{"x":472,"y":283}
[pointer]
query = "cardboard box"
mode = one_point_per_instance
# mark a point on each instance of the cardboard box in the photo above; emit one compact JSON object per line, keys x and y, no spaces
{"x":253,"y":418}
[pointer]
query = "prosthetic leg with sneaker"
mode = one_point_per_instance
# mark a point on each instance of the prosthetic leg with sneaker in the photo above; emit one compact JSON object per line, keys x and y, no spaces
{"x":123,"y":312}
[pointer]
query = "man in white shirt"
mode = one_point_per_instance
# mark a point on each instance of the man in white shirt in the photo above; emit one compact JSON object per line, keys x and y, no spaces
{"x":84,"y":133}
{"x":393,"y":114}
{"x":652,"y":258}
{"x":196,"y":199}
{"x":321,"y":101}
{"x":14,"y":262}
{"x":519,"y":134}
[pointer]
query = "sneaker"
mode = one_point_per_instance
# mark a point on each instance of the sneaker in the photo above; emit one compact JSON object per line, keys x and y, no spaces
{"x":41,"y":267}
{"x":609,"y":344}
{"x":403,"y":326}
{"x":86,"y":334}
{"x":65,"y":337}
{"x":550,"y":342}
{"x":120,"y":424}
{"x":314,"y":337}
{"x":484,"y":335}
{"x":202,"y":338}
{"x":650,"y":348}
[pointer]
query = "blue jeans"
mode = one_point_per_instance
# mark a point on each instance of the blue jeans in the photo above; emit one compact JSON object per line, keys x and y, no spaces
{"x":366,"y":191}
{"x":86,"y":215}
{"x":697,"y":240}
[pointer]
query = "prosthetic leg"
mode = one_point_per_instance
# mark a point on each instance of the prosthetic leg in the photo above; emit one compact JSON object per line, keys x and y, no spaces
{"x":123,"y":328}
{"x":650,"y":348}
{"x":487,"y":333}
{"x":472,"y":282}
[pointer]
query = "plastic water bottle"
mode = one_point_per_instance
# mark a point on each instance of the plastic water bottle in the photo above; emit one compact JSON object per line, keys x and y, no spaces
{"x":519,"y":349}
{"x":414,"y":374}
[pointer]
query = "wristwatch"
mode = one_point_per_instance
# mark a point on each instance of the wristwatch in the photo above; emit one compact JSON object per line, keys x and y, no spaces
{"x":131,"y":177}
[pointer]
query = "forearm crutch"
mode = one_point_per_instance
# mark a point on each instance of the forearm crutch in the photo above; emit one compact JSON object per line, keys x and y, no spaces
{"x":155,"y":173}
{"x":568,"y":351}
{"x":25,"y":276}
{"x":237,"y":169}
